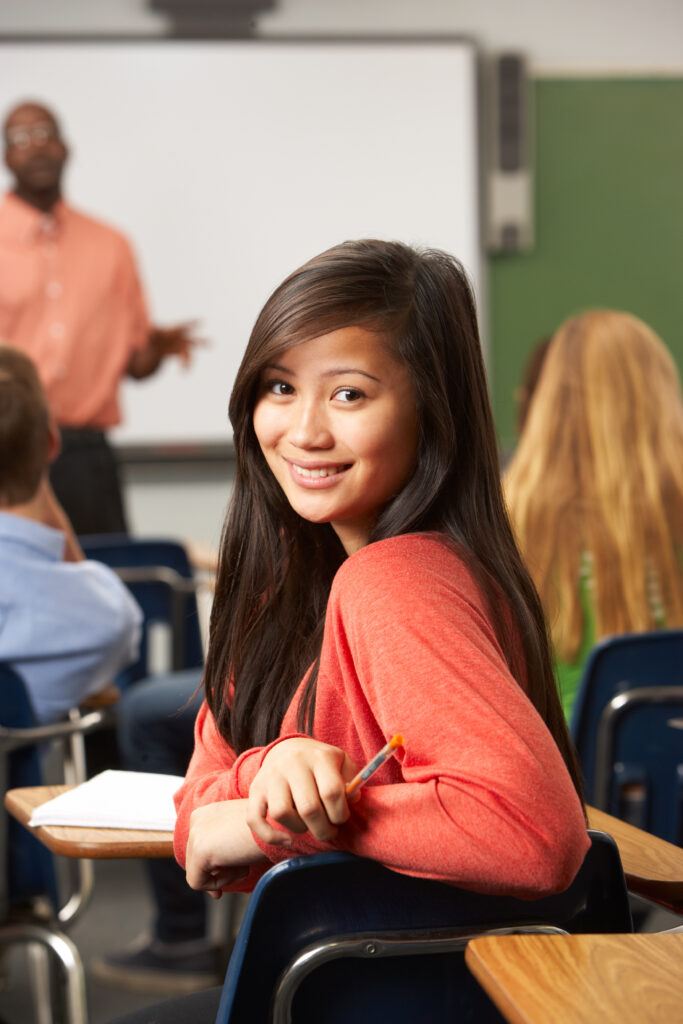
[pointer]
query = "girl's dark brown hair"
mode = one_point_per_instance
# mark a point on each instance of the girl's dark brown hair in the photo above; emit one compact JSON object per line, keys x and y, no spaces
{"x":275,"y":569}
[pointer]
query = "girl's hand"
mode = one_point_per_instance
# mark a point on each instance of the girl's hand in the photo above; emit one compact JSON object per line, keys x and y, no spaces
{"x":220,"y":846}
{"x":301,"y":785}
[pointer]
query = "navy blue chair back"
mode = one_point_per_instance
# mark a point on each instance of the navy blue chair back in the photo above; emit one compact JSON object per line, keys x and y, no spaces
{"x":627,"y":725}
{"x":160,"y":599}
{"x":357,"y":910}
{"x":28,"y":866}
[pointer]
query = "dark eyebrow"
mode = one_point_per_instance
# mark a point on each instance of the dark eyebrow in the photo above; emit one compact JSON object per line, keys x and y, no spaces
{"x":336,"y":371}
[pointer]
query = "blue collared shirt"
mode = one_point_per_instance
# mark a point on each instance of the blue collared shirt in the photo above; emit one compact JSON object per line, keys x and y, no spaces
{"x":66,"y":627}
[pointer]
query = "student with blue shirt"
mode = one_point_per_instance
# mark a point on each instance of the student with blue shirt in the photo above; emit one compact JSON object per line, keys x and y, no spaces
{"x":67,"y":625}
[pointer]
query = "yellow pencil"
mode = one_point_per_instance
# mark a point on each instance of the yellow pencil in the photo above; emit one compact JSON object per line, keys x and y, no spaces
{"x":371,"y":767}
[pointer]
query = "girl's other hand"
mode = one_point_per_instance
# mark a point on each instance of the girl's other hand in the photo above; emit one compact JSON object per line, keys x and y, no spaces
{"x":301,"y":785}
{"x":220,"y":847}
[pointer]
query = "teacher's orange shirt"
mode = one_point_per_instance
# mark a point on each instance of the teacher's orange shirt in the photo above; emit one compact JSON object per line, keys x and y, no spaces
{"x":70,"y":297}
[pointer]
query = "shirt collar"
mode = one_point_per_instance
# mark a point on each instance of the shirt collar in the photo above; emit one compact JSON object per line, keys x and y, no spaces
{"x":23,"y":222}
{"x":44,"y":539}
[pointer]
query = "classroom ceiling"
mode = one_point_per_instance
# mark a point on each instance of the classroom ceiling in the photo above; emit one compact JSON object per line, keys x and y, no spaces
{"x":614,"y":37}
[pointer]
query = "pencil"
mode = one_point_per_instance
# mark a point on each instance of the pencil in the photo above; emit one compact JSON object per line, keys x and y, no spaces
{"x":371,"y":767}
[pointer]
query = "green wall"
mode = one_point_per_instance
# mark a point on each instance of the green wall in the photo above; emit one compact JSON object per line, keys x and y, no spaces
{"x":609,"y":221}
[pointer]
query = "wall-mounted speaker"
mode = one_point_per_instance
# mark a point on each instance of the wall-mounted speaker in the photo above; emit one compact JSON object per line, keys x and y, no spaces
{"x":508,"y":154}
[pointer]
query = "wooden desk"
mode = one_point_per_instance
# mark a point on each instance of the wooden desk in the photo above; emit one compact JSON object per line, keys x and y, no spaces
{"x":581,"y":979}
{"x":92,"y":843}
{"x":653,"y":867}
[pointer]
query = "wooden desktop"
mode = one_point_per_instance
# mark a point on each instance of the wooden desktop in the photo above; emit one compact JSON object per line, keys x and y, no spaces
{"x":580,"y":979}
{"x":90,"y":843}
{"x":653,"y":867}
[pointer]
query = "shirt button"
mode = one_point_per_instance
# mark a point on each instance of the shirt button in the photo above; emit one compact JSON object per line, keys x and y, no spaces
{"x":57,"y":331}
{"x":53,"y":289}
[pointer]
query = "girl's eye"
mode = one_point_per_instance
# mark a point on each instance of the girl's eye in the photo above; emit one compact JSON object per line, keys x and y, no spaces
{"x":349,"y":394}
{"x":278,"y":387}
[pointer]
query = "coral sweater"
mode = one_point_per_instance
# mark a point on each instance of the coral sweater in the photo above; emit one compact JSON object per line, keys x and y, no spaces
{"x":481,"y":796}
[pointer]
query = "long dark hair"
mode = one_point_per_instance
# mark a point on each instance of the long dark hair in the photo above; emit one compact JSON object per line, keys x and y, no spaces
{"x":276,"y":569}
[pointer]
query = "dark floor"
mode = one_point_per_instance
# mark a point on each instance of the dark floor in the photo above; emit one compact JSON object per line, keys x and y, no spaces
{"x":119,"y":911}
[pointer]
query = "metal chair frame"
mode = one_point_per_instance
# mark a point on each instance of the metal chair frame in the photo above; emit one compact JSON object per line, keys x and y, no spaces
{"x":160,"y":576}
{"x":47,"y":938}
{"x":374,"y":947}
{"x":629,"y":699}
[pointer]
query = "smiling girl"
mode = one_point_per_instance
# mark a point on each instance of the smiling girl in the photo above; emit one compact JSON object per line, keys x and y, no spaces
{"x":369,"y":584}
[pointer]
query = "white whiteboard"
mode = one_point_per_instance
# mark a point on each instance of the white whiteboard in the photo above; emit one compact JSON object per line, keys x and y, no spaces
{"x":229,"y":164}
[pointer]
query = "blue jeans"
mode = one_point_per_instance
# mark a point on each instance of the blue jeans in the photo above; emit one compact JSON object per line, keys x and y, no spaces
{"x":156,"y":734}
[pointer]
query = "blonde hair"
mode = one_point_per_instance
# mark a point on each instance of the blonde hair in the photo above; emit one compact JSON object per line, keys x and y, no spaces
{"x":599,"y":472}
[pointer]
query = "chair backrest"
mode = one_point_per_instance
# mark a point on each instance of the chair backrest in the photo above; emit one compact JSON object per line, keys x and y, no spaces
{"x":627,"y":725}
{"x":28,"y":868}
{"x":379,"y":945}
{"x":160,"y":577}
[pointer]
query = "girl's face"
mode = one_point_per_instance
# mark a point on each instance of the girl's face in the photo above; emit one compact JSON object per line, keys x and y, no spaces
{"x":337,"y":422}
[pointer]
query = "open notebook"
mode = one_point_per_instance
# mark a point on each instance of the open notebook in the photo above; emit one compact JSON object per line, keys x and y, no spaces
{"x":114,"y":799}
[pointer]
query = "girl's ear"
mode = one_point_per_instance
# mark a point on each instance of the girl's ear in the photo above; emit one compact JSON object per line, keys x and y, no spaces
{"x":54,"y":441}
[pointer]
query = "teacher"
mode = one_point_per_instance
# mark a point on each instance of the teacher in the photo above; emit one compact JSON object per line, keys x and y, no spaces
{"x":71,"y":298}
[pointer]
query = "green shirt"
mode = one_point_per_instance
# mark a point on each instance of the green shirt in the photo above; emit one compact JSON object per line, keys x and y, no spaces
{"x":568,"y":674}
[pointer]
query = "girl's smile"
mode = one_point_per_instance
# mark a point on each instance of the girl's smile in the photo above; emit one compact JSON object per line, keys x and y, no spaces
{"x":316,"y":476}
{"x":336,"y":420}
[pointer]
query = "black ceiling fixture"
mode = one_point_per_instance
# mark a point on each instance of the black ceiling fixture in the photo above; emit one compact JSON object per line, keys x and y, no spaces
{"x":211,"y":19}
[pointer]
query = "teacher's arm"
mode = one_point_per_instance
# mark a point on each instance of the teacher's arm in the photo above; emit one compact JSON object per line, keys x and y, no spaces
{"x":162,"y":342}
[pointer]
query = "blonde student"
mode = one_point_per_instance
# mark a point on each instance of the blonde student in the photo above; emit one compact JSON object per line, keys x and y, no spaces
{"x":595,"y":488}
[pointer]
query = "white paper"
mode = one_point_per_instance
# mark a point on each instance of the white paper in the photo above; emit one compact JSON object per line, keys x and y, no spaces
{"x":115,"y":799}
